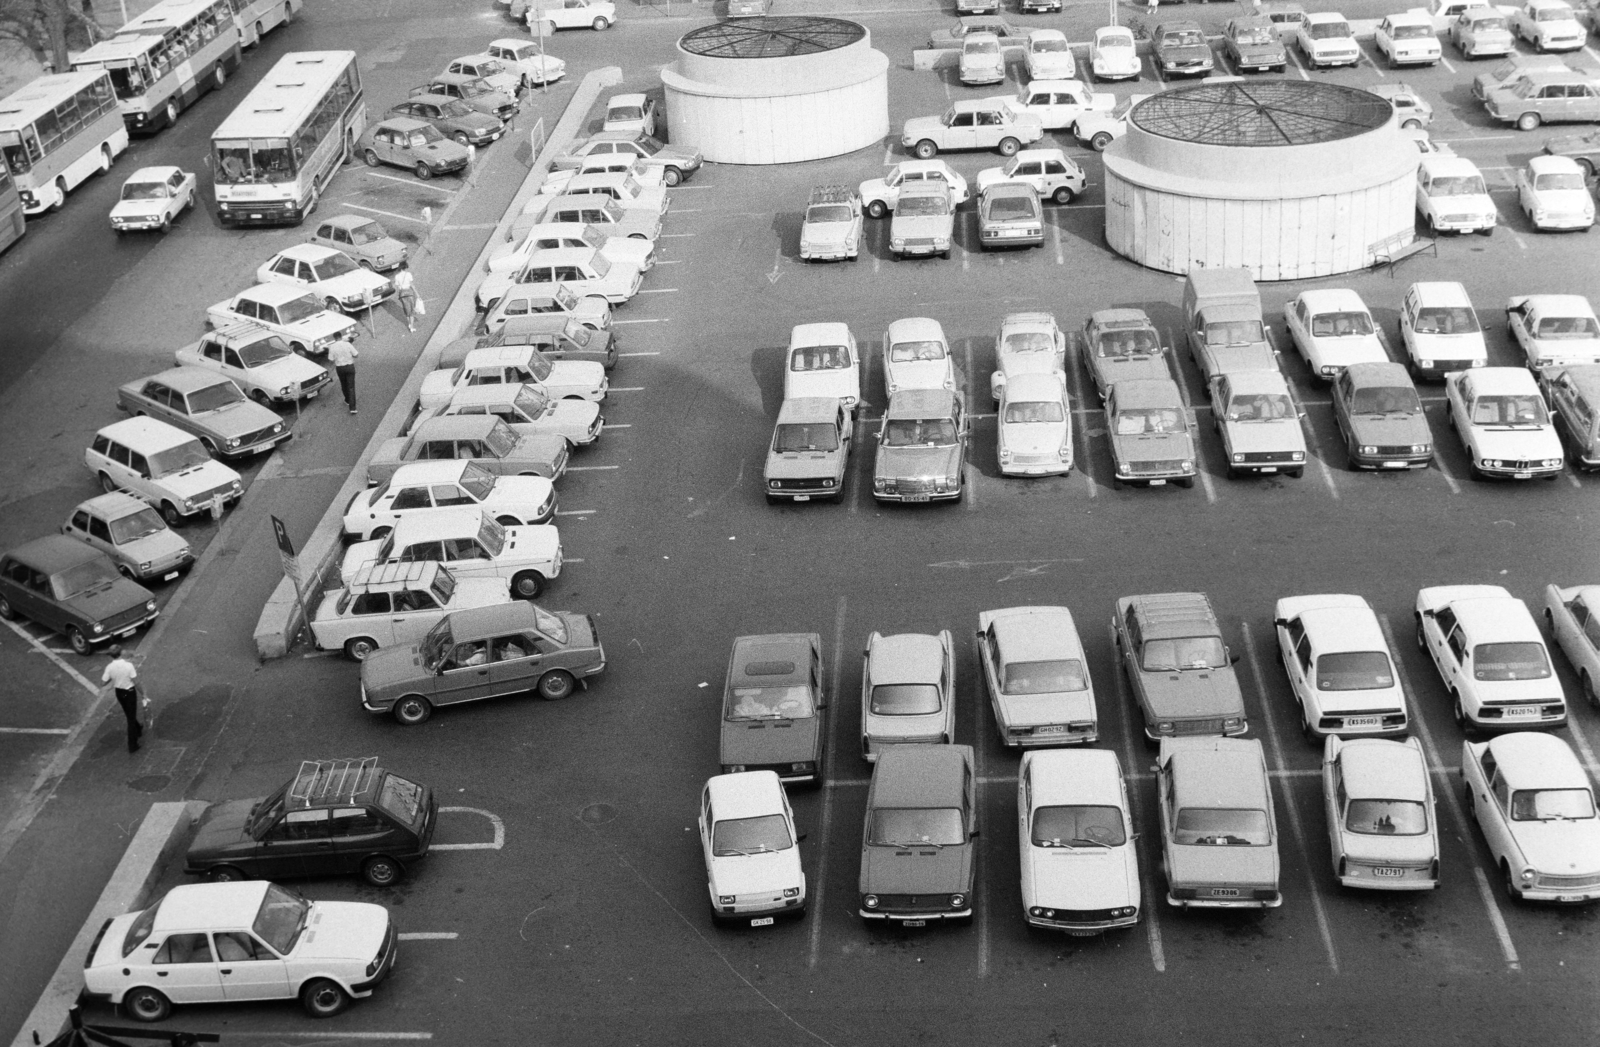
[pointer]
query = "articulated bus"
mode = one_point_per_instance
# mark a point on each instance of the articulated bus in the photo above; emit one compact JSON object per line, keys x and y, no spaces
{"x":255,"y":18}
{"x":57,"y":131}
{"x":12,"y":222}
{"x":165,"y":59}
{"x":273,"y":156}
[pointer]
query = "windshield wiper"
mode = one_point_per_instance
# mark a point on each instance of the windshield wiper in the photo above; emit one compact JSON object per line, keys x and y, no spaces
{"x":1092,"y":843}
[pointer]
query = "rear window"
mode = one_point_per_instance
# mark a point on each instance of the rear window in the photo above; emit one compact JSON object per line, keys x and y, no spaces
{"x":401,"y":798}
{"x":1510,"y":661}
{"x":1354,"y":671}
{"x":1223,"y":826}
{"x":905,"y":699}
{"x":1048,"y":677}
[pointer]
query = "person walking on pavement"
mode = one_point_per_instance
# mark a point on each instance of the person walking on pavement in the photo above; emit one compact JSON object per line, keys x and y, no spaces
{"x":124,"y":680}
{"x":342,"y":355}
{"x":405,"y":286}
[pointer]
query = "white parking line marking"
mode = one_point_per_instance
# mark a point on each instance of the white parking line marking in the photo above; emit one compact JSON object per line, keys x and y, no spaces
{"x":35,"y":730}
{"x":652,"y":352}
{"x":1295,"y":58}
{"x":616,"y":425}
{"x":687,"y":210}
{"x":1572,"y":478}
{"x":1151,"y":900}
{"x":675,"y":236}
{"x":888,"y":151}
{"x":1581,"y":738}
{"x":659,"y":290}
{"x":819,"y":892}
{"x":577,"y":512}
{"x":1206,"y":483}
{"x":389,"y":214}
{"x":698,"y":185}
{"x":428,"y":936}
{"x":1288,"y":798}
{"x":652,"y":320}
{"x":415,"y":183}
{"x":1446,"y":63}
{"x":626,"y":389}
{"x":1376,"y":66}
{"x":60,"y":663}
{"x":1055,"y":232}
{"x":589,"y":469}
{"x":494,"y":820}
{"x":1592,"y":53}
{"x":1508,"y":948}
{"x":670,"y":261}
{"x":342,"y":1035}
{"x":471,"y":225}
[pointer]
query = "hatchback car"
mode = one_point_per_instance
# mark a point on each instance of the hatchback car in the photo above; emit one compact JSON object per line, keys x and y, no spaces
{"x":1408,"y":38}
{"x":1341,"y":672}
{"x":1122,"y":344}
{"x":907,"y":691}
{"x":1549,"y":25}
{"x":1554,"y":194}
{"x":151,"y":198}
{"x":1152,"y":441}
{"x":1180,"y":49}
{"x":831,"y":229}
{"x":918,"y":858}
{"x":404,"y":141}
{"x":1027,"y":343}
{"x":822,"y":360}
{"x":134,"y":535}
{"x":1326,"y":40}
{"x":1259,"y":422}
{"x":1037,"y":677}
{"x":524,"y":559}
{"x":487,"y":442}
{"x":1535,"y":806}
{"x":1380,"y":418}
{"x":1219,"y":838}
{"x":1049,"y":57}
{"x":994,"y":123}
{"x":362,"y":239}
{"x":591,"y":208}
{"x":1112,"y":55}
{"x":1052,"y":174}
{"x":452,"y":118}
{"x":880,"y":195}
{"x":1410,"y":107}
{"x":1080,"y":868}
{"x":924,"y":222}
{"x":1481,"y":31}
{"x":1554,"y":330}
{"x":1009,"y":215}
{"x":1035,"y":427}
{"x":500,"y":76}
{"x":810,"y":450}
{"x":774,"y":708}
{"x":592,"y":311}
{"x":164,"y":466}
{"x":297,"y":316}
{"x":1251,"y":44}
{"x":1440,"y":330}
{"x":556,"y":338}
{"x":1383,"y":830}
{"x":1332,"y":329}
{"x":1503,"y":423}
{"x":1180,"y":671}
{"x":1572,"y":616}
{"x":423,"y":486}
{"x":751,"y":850}
{"x":74,"y":590}
{"x":1490,"y":657}
{"x":528,"y":58}
{"x":386,"y":604}
{"x":916,"y":355}
{"x":208,"y":405}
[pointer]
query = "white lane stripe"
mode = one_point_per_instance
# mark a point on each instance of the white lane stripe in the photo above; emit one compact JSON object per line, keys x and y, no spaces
{"x":1208,"y":484}
{"x":1496,"y":919}
{"x":276,"y":1034}
{"x":471,"y":225}
{"x":390,"y":214}
{"x":60,"y":663}
{"x":589,"y":469}
{"x":429,"y":936}
{"x":676,"y":236}
{"x":670,"y":261}
{"x":577,"y":512}
{"x":616,"y":425}
{"x":1581,"y":738}
{"x":625,"y":389}
{"x":1150,"y":902}
{"x":1446,"y":63}
{"x":820,"y":890}
{"x":654,"y":352}
{"x":35,"y":730}
{"x":413,"y":182}
{"x":660,"y":290}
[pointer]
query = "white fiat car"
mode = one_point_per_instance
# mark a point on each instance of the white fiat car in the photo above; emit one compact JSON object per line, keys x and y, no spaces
{"x":421,"y":487}
{"x":231,"y":942}
{"x":527,"y":58}
{"x":1219,"y":834}
{"x":907,"y":691}
{"x":822,"y":361}
{"x":1573,"y":617}
{"x":1052,"y":173}
{"x":258,"y":361}
{"x":1440,"y":330}
{"x":1490,"y":657}
{"x":1452,"y":196}
{"x":513,"y":256}
{"x":516,"y":365}
{"x":1333,"y":329}
{"x":471,"y":544}
{"x":1027,"y":343}
{"x":1080,"y":868}
{"x":1049,"y":56}
{"x":286,"y":310}
{"x":527,"y":410}
{"x":916,"y":355}
{"x":1533,"y":802}
{"x":1503,"y":423}
{"x":1554,"y":195}
{"x":1037,"y":677}
{"x":330,"y":275}
{"x":395,"y":603}
{"x":1408,"y":38}
{"x":1383,"y":830}
{"x":751,"y":849}
{"x":1326,"y":40}
{"x":152,"y":198}
{"x":1554,"y":330}
{"x":1035,"y":423}
{"x":880,"y":195}
{"x":1339,"y":666}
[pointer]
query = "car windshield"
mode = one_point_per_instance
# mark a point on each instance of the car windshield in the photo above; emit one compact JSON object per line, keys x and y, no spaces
{"x":214,"y":397}
{"x":1027,"y":411}
{"x":177,"y":459}
{"x":625,"y":112}
{"x":87,"y":577}
{"x":145,"y":191}
{"x":916,"y":206}
{"x":820,"y":358}
{"x":576,"y":333}
{"x":438,"y":643}
{"x":139,"y":929}
{"x":828,"y":213}
{"x":1010,"y":208}
{"x":1538,"y":805}
{"x":1559,"y":327}
{"x":1255,"y":34}
{"x":1354,"y":671}
{"x":1553,"y":14}
{"x":1115,"y":40}
{"x":743,"y":836}
{"x":368,"y":232}
{"x":1446,"y":319}
{"x":420,"y":137}
{"x":902,"y":826}
{"x":282,"y":917}
{"x":1238,"y":826}
{"x":1184,"y":652}
{"x":982,"y":47}
{"x":297,"y":309}
{"x":1527,"y":409}
{"x":1386,"y":818}
{"x":1078,"y":826}
{"x":263,"y":352}
{"x":532,"y":403}
{"x":793,"y":437}
{"x":920,"y":432}
{"x":478,"y":481}
{"x":1148,"y":420}
{"x":538,"y":365}
{"x":1488,"y":25}
{"x":769,"y":703}
{"x":1044,"y":677}
{"x":1523,"y":660}
{"x":905,"y":699}
{"x":491,"y":535}
{"x":1128,"y":343}
{"x":500,"y":440}
{"x":1260,"y":407}
{"x":1329,"y":30}
{"x":1341,"y":325}
{"x":1029,"y":342}
{"x":475,"y":87}
{"x":1049,"y":45}
{"x":1386,"y":399}
{"x":134,"y":526}
{"x":1457,"y":185}
{"x":1560,"y":180}
{"x":1234,"y":332}
{"x":1411,"y":32}
{"x":1183,"y":38}
{"x":401,"y":798}
{"x":332,"y":266}
{"x":910,"y":352}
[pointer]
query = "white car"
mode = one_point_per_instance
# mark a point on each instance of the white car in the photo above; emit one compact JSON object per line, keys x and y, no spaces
{"x":1035,"y":423}
{"x":526,"y":58}
{"x":585,"y":271}
{"x":880,"y":195}
{"x":288,"y":311}
{"x":1383,"y":829}
{"x":1332,"y":329}
{"x":498,"y":74}
{"x":631,"y":112}
{"x":527,"y":410}
{"x":646,"y":175}
{"x":916,"y":355}
{"x":1339,"y":666}
{"x":823,"y":361}
{"x":1326,"y":39}
{"x":521,"y":560}
{"x":396,"y":603}
{"x":1408,"y":38}
{"x":258,"y":361}
{"x":982,"y":61}
{"x":1059,"y":103}
{"x":1080,"y":868}
{"x":623,"y":188}
{"x":512,"y":256}
{"x":1549,"y":25}
{"x":1037,"y":677}
{"x":1554,"y":194}
{"x":163,"y":466}
{"x":1098,"y":129}
{"x":516,"y":365}
{"x":1053,"y":174}
{"x":1440,"y":330}
{"x":1027,"y":343}
{"x":1049,"y":56}
{"x":152,"y":198}
{"x":907,"y":691}
{"x":751,"y":849}
{"x":1490,"y":656}
{"x":1219,"y":834}
{"x":1112,"y":55}
{"x":177,"y":950}
{"x":592,"y":311}
{"x":1573,"y":617}
{"x":420,"y":487}
{"x":1480,"y":31}
{"x":1554,"y":330}
{"x":546,"y":16}
{"x":328,"y":274}
{"x":1452,"y":197}
{"x":1533,"y":802}
{"x":1259,"y":422}
{"x":1503,"y":423}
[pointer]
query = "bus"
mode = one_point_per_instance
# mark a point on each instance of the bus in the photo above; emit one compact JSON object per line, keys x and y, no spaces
{"x":255,"y":18}
{"x":166,"y":58}
{"x":273,"y":156}
{"x":57,"y":131}
{"x":12,"y":222}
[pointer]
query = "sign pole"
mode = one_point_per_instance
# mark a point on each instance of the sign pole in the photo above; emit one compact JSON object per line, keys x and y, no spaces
{"x":291,"y":567}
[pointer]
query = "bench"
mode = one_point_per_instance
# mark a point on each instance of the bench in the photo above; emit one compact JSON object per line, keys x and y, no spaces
{"x":1392,"y":250}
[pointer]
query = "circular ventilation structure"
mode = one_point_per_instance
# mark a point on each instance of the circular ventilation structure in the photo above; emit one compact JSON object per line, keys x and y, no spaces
{"x":1290,"y":179}
{"x":777,"y":90}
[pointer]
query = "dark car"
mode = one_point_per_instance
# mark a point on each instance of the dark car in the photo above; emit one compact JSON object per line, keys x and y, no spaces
{"x":556,"y":336}
{"x":772,"y":707}
{"x":917,"y":852}
{"x":209,"y":405}
{"x":453,"y":118}
{"x":334,"y":818}
{"x":1252,"y":45}
{"x":1380,"y":417}
{"x":406,"y":142}
{"x":65,"y":585}
{"x":1180,"y":49}
{"x":1583,"y":148}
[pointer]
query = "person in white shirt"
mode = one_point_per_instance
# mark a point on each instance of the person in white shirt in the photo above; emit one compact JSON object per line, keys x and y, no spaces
{"x":405,"y":286}
{"x":342,"y":355}
{"x":124,"y":680}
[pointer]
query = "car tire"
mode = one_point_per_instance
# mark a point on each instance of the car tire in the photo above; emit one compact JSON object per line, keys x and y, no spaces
{"x":323,"y":998}
{"x":877,"y":209}
{"x":145,"y":1004}
{"x":363,"y":263}
{"x":1586,"y":685}
{"x":945,"y":255}
{"x":1587,"y":165}
{"x":1185,"y":482}
{"x":527,"y":585}
{"x":382,"y":871}
{"x":1008,"y":147}
{"x":1509,"y":882}
{"x":170,"y":514}
{"x":7,"y":612}
{"x":412,"y":709}
{"x":1295,"y":474}
{"x":1099,"y":142}
{"x":926,"y":149}
{"x":601,"y":25}
{"x":461,"y":138}
{"x":171,"y":112}
{"x":260,"y":397}
{"x":371,"y":158}
{"x":1469,"y":803}
{"x":226,"y":874}
{"x":1529,"y":122}
{"x":358,"y":647}
{"x":379,"y":533}
{"x":108,"y":485}
{"x":166,"y":224}
{"x":422,"y":171}
{"x":556,"y":685}
{"x":77,"y":641}
{"x":1063,"y":195}
{"x":671,"y":176}
{"x":1412,"y":125}
{"x":1306,"y":732}
{"x":1459,"y":711}
{"x":219,"y":77}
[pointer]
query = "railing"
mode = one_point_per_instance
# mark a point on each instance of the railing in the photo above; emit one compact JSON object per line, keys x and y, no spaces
{"x":1396,"y":248}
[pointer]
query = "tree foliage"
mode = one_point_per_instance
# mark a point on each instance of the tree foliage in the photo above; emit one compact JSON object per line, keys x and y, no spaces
{"x":49,"y":28}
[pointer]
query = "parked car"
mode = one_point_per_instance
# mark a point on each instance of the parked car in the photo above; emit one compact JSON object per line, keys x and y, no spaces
{"x":1481,"y":31}
{"x":1259,"y":422}
{"x":1122,"y":344}
{"x":1535,"y":806}
{"x":1332,"y":329}
{"x":1440,"y":330}
{"x":1112,"y":55}
{"x":918,"y":859}
{"x":774,"y":709}
{"x":991,"y":123}
{"x":585,"y":271}
{"x":1383,"y":830}
{"x":152,"y":198}
{"x":394,"y":603}
{"x":516,"y":365}
{"x":626,"y":190}
{"x":1548,"y":25}
{"x":916,"y":355}
{"x":404,"y":141}
{"x":676,"y":163}
{"x":475,"y":91}
{"x":1099,"y":129}
{"x":1326,"y":40}
{"x":1408,"y":38}
{"x":1219,"y":838}
{"x":1073,"y":805}
{"x":810,"y":450}
{"x":499,"y":75}
{"x":423,"y":486}
{"x":922,"y":447}
{"x":646,"y":175}
{"x":1180,"y":49}
{"x":1410,"y":108}
{"x":1027,"y":343}
{"x":518,"y":303}
{"x":163,"y":466}
{"x":951,"y":36}
{"x":452,"y":118}
{"x":1380,"y":418}
{"x":1251,"y":44}
{"x":74,"y":590}
{"x":1035,"y":427}
{"x":1509,"y":72}
{"x":363,"y":239}
{"x":132,"y":534}
{"x":1585,"y":149}
{"x":546,"y":16}
{"x":333,"y":818}
{"x":508,"y":263}
{"x":880,"y":195}
{"x":1341,"y":672}
{"x":1554,"y":330}
{"x":1503,"y":423}
{"x":1037,"y":676}
{"x":207,"y":927}
{"x":1009,"y":215}
{"x":1572,"y":614}
{"x":1554,"y":194}
{"x":1048,"y":56}
{"x":482,"y":439}
{"x":1573,"y":394}
{"x":557,"y":337}
{"x":751,"y":850}
{"x":923,"y":223}
{"x":1180,"y":672}
{"x":977,"y":7}
{"x":1541,"y":97}
{"x":529,"y":59}
{"x":327,"y":273}
{"x":591,"y":208}
{"x":288,"y":311}
{"x":1452,"y":197}
{"x":1059,"y":103}
{"x":1490,"y":657}
{"x":823,"y":360}
{"x":546,"y":430}
{"x":631,"y":112}
{"x":908,"y":695}
{"x":981,"y":60}
{"x":208,"y":405}
{"x":831,"y":229}
{"x":1285,"y":17}
{"x":1152,"y":441}
{"x":1052,"y":174}
{"x":471,"y":544}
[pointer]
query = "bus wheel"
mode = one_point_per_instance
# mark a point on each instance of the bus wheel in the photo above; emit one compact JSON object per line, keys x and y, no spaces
{"x":105,"y":158}
{"x":219,"y":76}
{"x":172,"y":112}
{"x":261,"y":31}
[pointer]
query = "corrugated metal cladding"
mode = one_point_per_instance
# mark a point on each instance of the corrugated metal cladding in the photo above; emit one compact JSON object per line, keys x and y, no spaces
{"x":774,"y":97}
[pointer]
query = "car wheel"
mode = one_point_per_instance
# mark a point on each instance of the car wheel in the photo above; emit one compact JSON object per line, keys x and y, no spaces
{"x":508,"y":521}
{"x":1587,"y":165}
{"x":556,"y":685}
{"x":323,"y":998}
{"x":1008,"y":147}
{"x":379,"y":532}
{"x":77,"y":641}
{"x":381,"y":871}
{"x":108,"y":485}
{"x":1412,"y":125}
{"x":1295,"y":474}
{"x":461,"y":138}
{"x":331,"y":305}
{"x":226,"y":874}
{"x":1422,"y":636}
{"x":877,"y":209}
{"x":260,"y":397}
{"x":299,"y":349}
{"x":945,"y":255}
{"x":1099,"y":142}
{"x":423,"y":171}
{"x":1528,"y":122}
{"x":1470,"y":802}
{"x":1063,"y":195}
{"x":1185,"y":482}
{"x":363,"y":263}
{"x":166,"y":224}
{"x":1586,"y":685}
{"x":7,"y":612}
{"x":527,"y":585}
{"x":371,"y":158}
{"x":1509,"y":881}
{"x":1305,"y":729}
{"x":219,"y":76}
{"x":412,"y":710}
{"x":358,"y":647}
{"x":146,"y":1005}
{"x":671,"y":176}
{"x":1459,"y":711}
{"x":601,"y":25}
{"x":61,"y":196}
{"x":170,"y":514}
{"x":926,"y":149}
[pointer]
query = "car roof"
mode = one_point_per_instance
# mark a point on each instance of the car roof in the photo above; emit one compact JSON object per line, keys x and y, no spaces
{"x":446,"y":522}
{"x":1540,"y":163}
{"x":331,"y":783}
{"x":1120,"y":316}
{"x":799,"y":409}
{"x":1441,"y":292}
{"x":409,"y":123}
{"x":425,"y":96}
{"x":481,"y":56}
{"x":508,"y":41}
{"x":978,"y":37}
{"x":1035,"y":633}
{"x":454,"y":78}
{"x":349,"y":221}
{"x":1046,"y":34}
{"x":927,"y":188}
{"x":616,"y":134}
{"x":906,"y":658}
{"x":458,"y":426}
{"x":203,"y":906}
{"x":626,"y":98}
{"x":561,"y":256}
{"x":502,"y":355}
{"x":774,"y":659}
{"x":921,"y":403}
{"x":1496,"y":619}
{"x":1393,"y":91}
{"x":275,"y":293}
{"x":830,"y":333}
{"x":1374,"y":372}
{"x":921,"y":776}
{"x":152,"y":174}
{"x":1329,"y":299}
{"x":1035,"y":386}
{"x":1500,"y":380}
{"x":493,"y":393}
{"x":1023,"y":189}
{"x":239,"y":332}
{"x":1448,"y":164}
{"x":1075,"y":776}
{"x":426,"y":472}
{"x":1413,"y":17}
{"x":973,"y":105}
{"x":113,"y":505}
{"x":187,"y":379}
{"x":747,"y":794}
{"x":1112,"y":30}
{"x":309,"y":251}
{"x":1324,"y":16}
{"x":1147,"y":392}
{"x":1381,"y":769}
{"x":1561,"y":304}
{"x":916,"y":328}
{"x":1026,"y":320}
{"x":145,"y":435}
{"x":907,"y":166}
{"x":1164,"y":615}
{"x":583,"y":200}
{"x":1535,"y":760}
{"x":1336,"y":628}
{"x":539,"y":323}
{"x":51,"y":553}
{"x":476,"y":623}
{"x":1217,"y":772}
{"x":1260,"y":380}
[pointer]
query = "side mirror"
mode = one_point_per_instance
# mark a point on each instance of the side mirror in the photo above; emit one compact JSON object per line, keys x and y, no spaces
{"x":975,"y":832}
{"x":1427,"y":614}
{"x":1233,"y":657}
{"x":801,"y":837}
{"x":1280,"y":621}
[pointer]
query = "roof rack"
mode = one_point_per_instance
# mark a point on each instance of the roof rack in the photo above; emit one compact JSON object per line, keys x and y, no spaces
{"x":832,"y":194}
{"x":321,"y":782}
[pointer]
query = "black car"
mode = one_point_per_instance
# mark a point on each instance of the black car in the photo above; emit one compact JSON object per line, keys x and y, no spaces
{"x":334,"y":818}
{"x":67,"y":586}
{"x":1583,"y":148}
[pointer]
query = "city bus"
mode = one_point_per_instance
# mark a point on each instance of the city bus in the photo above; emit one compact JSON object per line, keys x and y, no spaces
{"x":12,"y":222}
{"x":57,"y":131}
{"x":255,"y":18}
{"x":166,"y":58}
{"x":273,"y":156}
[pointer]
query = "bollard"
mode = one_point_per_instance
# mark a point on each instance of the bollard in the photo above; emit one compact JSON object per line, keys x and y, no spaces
{"x":427,"y":215}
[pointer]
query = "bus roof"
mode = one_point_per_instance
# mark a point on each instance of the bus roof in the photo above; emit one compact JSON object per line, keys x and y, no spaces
{"x":275,"y":107}
{"x":34,"y":99}
{"x":165,"y":15}
{"x":118,"y":47}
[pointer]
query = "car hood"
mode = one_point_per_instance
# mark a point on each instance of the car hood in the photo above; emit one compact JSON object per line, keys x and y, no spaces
{"x":343,"y":930}
{"x":761,"y":742}
{"x":1175,"y":694}
{"x":1154,"y":447}
{"x":763,"y":873}
{"x":1121,"y":368}
{"x":919,"y":126}
{"x":840,"y":384}
{"x":800,"y":465}
{"x":914,"y":462}
{"x":1120,"y":58}
{"x":921,"y":225}
{"x":1390,"y":429}
{"x":1222,"y":864}
{"x":139,"y":208}
{"x":436,"y":388}
{"x":286,"y":370}
{"x":109,"y":601}
{"x":1253,"y":356}
{"x":1429,"y":346}
{"x":1081,"y":877}
{"x":199,"y":479}
{"x":917,"y":869}
{"x":1282,"y":434}
{"x":1560,"y":848}
{"x":1051,"y":68}
{"x":826,"y":232}
{"x":222,"y":831}
{"x":154,"y":547}
{"x":1517,"y":443}
{"x":1030,"y":710}
{"x":1032,"y":437}
{"x":1260,"y":52}
{"x":388,"y":668}
{"x":629,"y":250}
{"x":239,"y":419}
{"x":1184,"y":52}
{"x":574,"y":415}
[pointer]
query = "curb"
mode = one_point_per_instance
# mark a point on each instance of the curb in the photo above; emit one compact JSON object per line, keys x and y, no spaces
{"x":160,"y":835}
{"x":281,"y":618}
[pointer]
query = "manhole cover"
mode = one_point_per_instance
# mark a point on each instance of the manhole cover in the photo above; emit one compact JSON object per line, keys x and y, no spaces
{"x":598,"y":813}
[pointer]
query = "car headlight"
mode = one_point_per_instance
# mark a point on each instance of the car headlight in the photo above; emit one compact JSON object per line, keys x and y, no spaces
{"x":1419,"y":448}
{"x":149,"y":605}
{"x":828,"y":482}
{"x":1491,"y":463}
{"x":188,"y":505}
{"x":941,"y":242}
{"x":897,"y":243}
{"x":802,"y":767}
{"x":957,"y":901}
{"x":734,"y":768}
{"x":1042,"y":913}
{"x":1005,"y":454}
{"x":869,"y":901}
{"x":1186,"y":465}
{"x":97,"y":628}
{"x":1298,"y":456}
{"x":725,"y":899}
{"x":1426,"y":365}
{"x":950,"y":384}
{"x":1064,"y":452}
{"x":1238,"y":456}
{"x":1327,"y":370}
{"x":236,"y":487}
{"x":1231,"y":722}
{"x":286,"y":390}
{"x":880,"y":485}
{"x":774,"y":484}
{"x":234,"y":442}
{"x":1164,"y":727}
{"x":1553,"y":463}
{"x":791,"y":892}
{"x":1527,"y":876}
{"x":1540,"y":214}
{"x":145,"y":566}
{"x":1368,"y":449}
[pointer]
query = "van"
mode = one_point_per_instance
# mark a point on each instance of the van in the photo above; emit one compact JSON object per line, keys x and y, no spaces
{"x":1574,"y":397}
{"x":162,"y":465}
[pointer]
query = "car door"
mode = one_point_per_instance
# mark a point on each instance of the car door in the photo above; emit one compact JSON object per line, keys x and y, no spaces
{"x":961,"y":132}
{"x":297,"y":844}
{"x":250,"y":969}
{"x":286,"y":268}
{"x":14,"y":587}
{"x":1583,"y":102}
{"x":415,"y":612}
{"x":1024,"y":838}
{"x":989,"y":656}
{"x":371,"y":614}
{"x":1494,"y":817}
{"x":1452,"y":658}
{"x":464,"y":674}
{"x":515,"y":663}
{"x":99,"y":534}
{"x":358,"y":833}
{"x":1333,"y":801}
{"x":186,"y":970}
{"x":1295,"y":651}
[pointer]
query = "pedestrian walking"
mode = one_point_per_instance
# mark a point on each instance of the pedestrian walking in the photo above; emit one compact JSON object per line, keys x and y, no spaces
{"x":405,"y":286}
{"x":124,"y":681}
{"x":342,"y":355}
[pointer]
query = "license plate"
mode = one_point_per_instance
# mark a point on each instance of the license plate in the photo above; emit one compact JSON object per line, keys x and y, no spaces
{"x":126,"y":633}
{"x":913,"y":923}
{"x":1362,"y":721}
{"x":312,"y":395}
{"x":1386,"y":870}
{"x":915,"y":498}
{"x":762,"y":921}
{"x":1521,"y":476}
{"x":169,"y":576}
{"x":1052,"y":729}
{"x":1394,"y":465}
{"x":1269,"y":468}
{"x":1570,"y":898}
{"x":1224,"y":892}
{"x":1525,"y":713}
{"x":1158,"y":483}
{"x":802,"y":498}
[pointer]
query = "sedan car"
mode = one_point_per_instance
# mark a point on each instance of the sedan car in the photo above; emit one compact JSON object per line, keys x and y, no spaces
{"x":1037,"y":677}
{"x":500,"y":75}
{"x":1049,"y":57}
{"x":1549,"y":25}
{"x":676,"y":163}
{"x":471,"y":544}
{"x":1554,"y":330}
{"x":1151,"y":439}
{"x":259,"y":362}
{"x":907,"y":691}
{"x":422,"y":486}
{"x":1340,"y":670}
{"x":1540,"y":97}
{"x":1332,"y":329}
{"x":1099,"y":129}
{"x":72,"y":589}
{"x":916,"y":355}
{"x":290,"y":312}
{"x":1383,"y":829}
{"x":323,"y":953}
{"x":484,"y":440}
{"x":477,"y":92}
{"x":924,"y":222}
{"x":528,"y":58}
{"x":590,"y":208}
{"x":774,"y":715}
{"x":751,"y":850}
{"x":1481,"y":31}
{"x":327,"y":273}
{"x":452,"y":118}
{"x":1075,"y":838}
{"x":1490,"y":656}
{"x":918,"y":854}
{"x":922,"y":446}
{"x":586,"y":271}
{"x":210,"y":406}
{"x":516,"y":365}
{"x":544,"y":429}
{"x":810,"y":450}
{"x":403,"y":141}
{"x":1410,"y":107}
{"x":823,"y":360}
{"x":509,"y":261}
{"x":1408,"y":38}
{"x":1380,"y":418}
{"x":1554,"y":195}
{"x":1052,"y":174}
{"x":1251,"y":44}
{"x":993,"y":123}
{"x":556,"y":337}
{"x":1009,"y":215}
{"x":134,"y":535}
{"x":1440,"y":330}
{"x":1027,"y":343}
{"x":982,"y":61}
{"x":152,"y":198}
{"x":362,"y":239}
{"x":1585,"y":149}
{"x":1326,"y":40}
{"x":632,"y":112}
{"x":1112,"y":55}
{"x":1256,"y":416}
{"x":1219,"y":838}
{"x":1178,"y":668}
{"x":1180,"y":49}
{"x":1059,"y":103}
{"x":591,"y":311}
{"x":1452,"y":196}
{"x":1035,"y":423}
{"x":394,"y":603}
{"x":1572,"y":614}
{"x":951,"y":36}
{"x":880,"y":195}
{"x":1122,"y":344}
{"x":1534,"y":804}
{"x":1503,"y":423}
